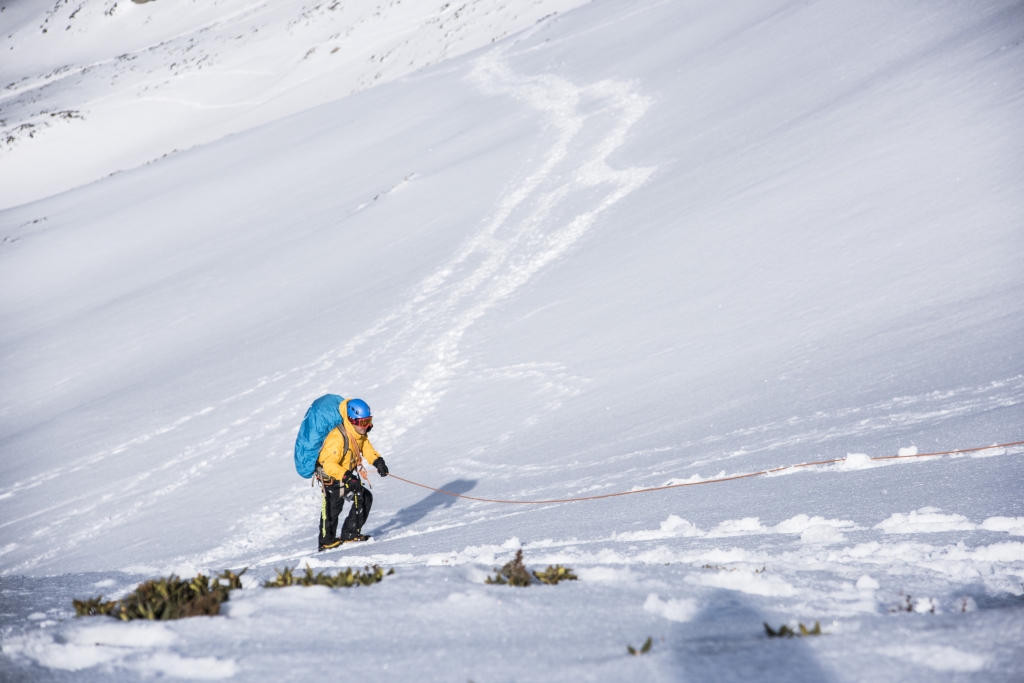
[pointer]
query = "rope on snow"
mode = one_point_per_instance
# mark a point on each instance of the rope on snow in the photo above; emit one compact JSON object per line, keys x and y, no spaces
{"x":696,"y":483}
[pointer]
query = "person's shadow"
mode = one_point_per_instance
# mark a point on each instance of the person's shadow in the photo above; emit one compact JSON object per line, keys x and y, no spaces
{"x":421,"y":509}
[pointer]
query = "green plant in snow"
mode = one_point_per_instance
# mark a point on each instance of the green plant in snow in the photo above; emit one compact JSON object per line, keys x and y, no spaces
{"x":513,"y":573}
{"x":343,"y":579}
{"x":644,"y":649}
{"x":786,"y":632}
{"x":166,"y":598}
{"x":554,"y":574}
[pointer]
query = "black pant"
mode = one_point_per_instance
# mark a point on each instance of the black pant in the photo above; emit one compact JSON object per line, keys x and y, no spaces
{"x":331,"y":507}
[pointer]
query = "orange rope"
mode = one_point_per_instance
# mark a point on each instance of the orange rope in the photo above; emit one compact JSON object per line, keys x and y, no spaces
{"x":695,"y":483}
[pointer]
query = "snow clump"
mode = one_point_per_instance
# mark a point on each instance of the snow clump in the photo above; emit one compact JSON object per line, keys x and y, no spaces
{"x":1012,"y":525}
{"x":924,"y":520}
{"x":673,"y":610}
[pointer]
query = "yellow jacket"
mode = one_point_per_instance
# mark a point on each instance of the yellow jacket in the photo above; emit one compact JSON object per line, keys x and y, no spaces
{"x":337,"y":459}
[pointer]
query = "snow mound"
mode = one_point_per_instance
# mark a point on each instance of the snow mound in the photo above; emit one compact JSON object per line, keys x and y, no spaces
{"x":738,"y":527}
{"x":856,"y":461}
{"x":672,"y":609}
{"x":801,"y":523}
{"x":924,"y":520}
{"x":821,"y":533}
{"x":1012,"y":525}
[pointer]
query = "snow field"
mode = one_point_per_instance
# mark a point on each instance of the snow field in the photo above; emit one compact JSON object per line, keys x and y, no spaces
{"x":95,"y":87}
{"x":636,"y":244}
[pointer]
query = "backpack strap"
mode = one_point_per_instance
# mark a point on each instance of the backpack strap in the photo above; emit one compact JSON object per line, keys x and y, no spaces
{"x":344,"y":436}
{"x":318,"y":473}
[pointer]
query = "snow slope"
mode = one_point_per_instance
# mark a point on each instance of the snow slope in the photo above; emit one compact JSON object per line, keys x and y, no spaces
{"x":93,"y":87}
{"x":639,"y":243}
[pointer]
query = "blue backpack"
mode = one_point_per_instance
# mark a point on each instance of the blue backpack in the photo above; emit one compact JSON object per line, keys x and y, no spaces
{"x":321,"y":418}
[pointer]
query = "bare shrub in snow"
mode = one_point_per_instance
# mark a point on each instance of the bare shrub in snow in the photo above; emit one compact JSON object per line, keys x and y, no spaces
{"x":513,"y":573}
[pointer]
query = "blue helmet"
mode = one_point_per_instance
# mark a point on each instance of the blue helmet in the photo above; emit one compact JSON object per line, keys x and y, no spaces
{"x":357,"y":408}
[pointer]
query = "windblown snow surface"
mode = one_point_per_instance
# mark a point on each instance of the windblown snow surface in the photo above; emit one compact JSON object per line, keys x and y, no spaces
{"x":636,"y":243}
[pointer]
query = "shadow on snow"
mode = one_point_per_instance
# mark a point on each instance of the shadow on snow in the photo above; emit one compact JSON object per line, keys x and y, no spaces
{"x":417,"y":511}
{"x":726,"y":642}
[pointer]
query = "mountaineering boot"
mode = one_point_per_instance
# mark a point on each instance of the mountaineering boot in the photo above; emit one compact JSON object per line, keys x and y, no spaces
{"x":355,"y":538}
{"x":328,"y":544}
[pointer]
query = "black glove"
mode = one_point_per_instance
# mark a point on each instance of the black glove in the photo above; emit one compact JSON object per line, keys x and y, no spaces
{"x":351,"y":480}
{"x":382,"y":469}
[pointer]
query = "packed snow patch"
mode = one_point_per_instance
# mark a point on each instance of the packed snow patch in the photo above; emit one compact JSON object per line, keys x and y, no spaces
{"x":937,"y":657}
{"x":672,"y":609}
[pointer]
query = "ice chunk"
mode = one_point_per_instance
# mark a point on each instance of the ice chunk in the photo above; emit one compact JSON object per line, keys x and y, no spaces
{"x":910,"y":450}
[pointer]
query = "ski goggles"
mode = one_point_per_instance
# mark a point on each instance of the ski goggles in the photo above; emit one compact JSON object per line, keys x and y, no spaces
{"x":362,"y":422}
